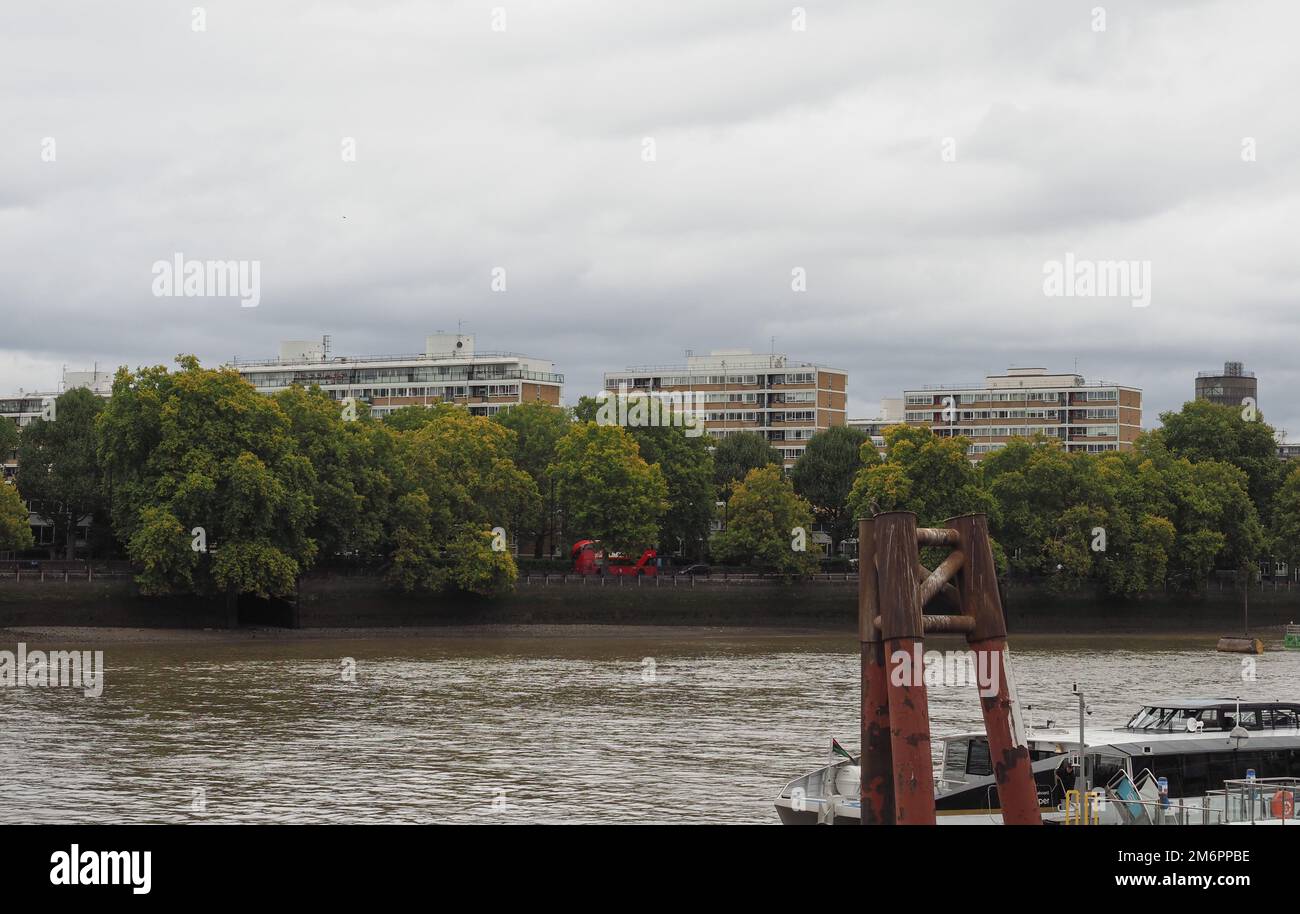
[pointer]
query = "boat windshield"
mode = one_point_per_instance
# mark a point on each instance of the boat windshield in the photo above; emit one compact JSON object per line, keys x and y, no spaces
{"x":1155,"y":718}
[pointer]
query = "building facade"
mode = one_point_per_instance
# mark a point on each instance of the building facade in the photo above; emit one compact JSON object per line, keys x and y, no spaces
{"x":1091,"y":416}
{"x":448,"y":371}
{"x":891,"y":413}
{"x":735,"y":390}
{"x":21,"y":409}
{"x":1231,"y":387}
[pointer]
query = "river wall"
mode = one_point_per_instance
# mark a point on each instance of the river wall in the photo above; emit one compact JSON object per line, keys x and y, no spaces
{"x":329,"y":601}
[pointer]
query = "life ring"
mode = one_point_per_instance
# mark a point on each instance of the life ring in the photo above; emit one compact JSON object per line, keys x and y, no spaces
{"x":1283,"y":805}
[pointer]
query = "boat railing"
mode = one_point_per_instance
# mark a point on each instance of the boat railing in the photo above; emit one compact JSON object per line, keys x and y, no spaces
{"x":1246,"y":800}
{"x":1173,"y":812}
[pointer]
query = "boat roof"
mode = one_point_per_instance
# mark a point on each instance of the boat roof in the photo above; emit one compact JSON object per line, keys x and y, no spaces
{"x":1199,"y":704}
{"x":1220,"y":742}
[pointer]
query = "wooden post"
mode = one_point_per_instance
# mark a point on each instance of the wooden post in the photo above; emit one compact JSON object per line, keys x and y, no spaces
{"x":977,"y":583}
{"x":876,"y":764}
{"x":902,"y":631}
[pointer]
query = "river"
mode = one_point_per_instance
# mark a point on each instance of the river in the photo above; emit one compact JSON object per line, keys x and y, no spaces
{"x":515,"y":725}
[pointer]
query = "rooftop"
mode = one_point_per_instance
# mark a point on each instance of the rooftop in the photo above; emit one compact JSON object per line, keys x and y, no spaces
{"x":728,"y":359}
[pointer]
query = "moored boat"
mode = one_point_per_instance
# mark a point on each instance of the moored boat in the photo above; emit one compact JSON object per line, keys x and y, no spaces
{"x":1184,"y":753}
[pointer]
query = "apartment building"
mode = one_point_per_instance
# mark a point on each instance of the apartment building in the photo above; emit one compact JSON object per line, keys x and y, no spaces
{"x":21,"y":409}
{"x":784,"y":400}
{"x":449,"y":370}
{"x":1091,"y":416}
{"x":891,"y":413}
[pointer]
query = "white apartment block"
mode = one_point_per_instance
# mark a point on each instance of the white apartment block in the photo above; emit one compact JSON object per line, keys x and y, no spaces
{"x":21,"y":409}
{"x":448,"y":371}
{"x":784,"y":400}
{"x":1091,"y":416}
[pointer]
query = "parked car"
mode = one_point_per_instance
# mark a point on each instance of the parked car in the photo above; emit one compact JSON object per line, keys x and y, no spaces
{"x":693,"y":570}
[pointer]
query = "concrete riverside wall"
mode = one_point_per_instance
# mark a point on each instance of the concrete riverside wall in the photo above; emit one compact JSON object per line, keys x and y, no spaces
{"x":329,"y":601}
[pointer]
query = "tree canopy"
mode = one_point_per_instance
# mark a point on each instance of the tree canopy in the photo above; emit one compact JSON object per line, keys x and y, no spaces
{"x":825,"y":472}
{"x":209,"y":493}
{"x":767,"y":525}
{"x":606,"y":489}
{"x":58,"y":469}
{"x":734,"y":455}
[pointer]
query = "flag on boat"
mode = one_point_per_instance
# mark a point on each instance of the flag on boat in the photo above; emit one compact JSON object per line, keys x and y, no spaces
{"x":837,"y":749}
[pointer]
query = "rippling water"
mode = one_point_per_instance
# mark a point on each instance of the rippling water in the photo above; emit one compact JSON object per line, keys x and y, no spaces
{"x":516,"y":726}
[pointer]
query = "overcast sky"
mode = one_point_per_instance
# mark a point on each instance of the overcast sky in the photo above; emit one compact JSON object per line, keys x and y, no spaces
{"x":774,"y":149}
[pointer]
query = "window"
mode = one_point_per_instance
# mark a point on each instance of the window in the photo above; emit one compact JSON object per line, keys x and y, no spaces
{"x":978,"y":762}
{"x":1284,"y":718}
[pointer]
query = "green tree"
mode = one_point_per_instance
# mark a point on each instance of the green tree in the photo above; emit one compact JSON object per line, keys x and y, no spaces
{"x":1286,"y":519}
{"x":687,"y":467}
{"x":58,"y":470}
{"x":586,"y":409}
{"x":538,"y":428}
{"x":1208,"y":503}
{"x":345,"y":523}
{"x":1071,"y":517}
{"x":462,"y":485}
{"x":925,"y":473}
{"x":1202,"y":431}
{"x":411,"y":418}
{"x":8,"y":437}
{"x":824,"y":474}
{"x":200,"y":450}
{"x":606,"y":489}
{"x":763,"y":516}
{"x":736,"y":454}
{"x":665,"y":439}
{"x":15,"y":525}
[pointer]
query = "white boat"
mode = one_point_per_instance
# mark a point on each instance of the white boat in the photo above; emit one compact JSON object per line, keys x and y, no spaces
{"x":1181,"y":757}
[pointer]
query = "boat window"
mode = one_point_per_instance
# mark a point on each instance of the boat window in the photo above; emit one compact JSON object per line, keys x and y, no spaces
{"x":1250,"y":720}
{"x":978,"y":761}
{"x":954,"y":758}
{"x":1285,"y":719}
{"x":1196,"y":775}
{"x":1169,"y":767}
{"x":1104,"y":767}
{"x":1168,"y":719}
{"x":1273,"y":763}
{"x":1142,"y":719}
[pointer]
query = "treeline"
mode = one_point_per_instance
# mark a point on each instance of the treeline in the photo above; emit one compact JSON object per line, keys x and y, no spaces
{"x":1204,"y":492}
{"x":211,"y":488}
